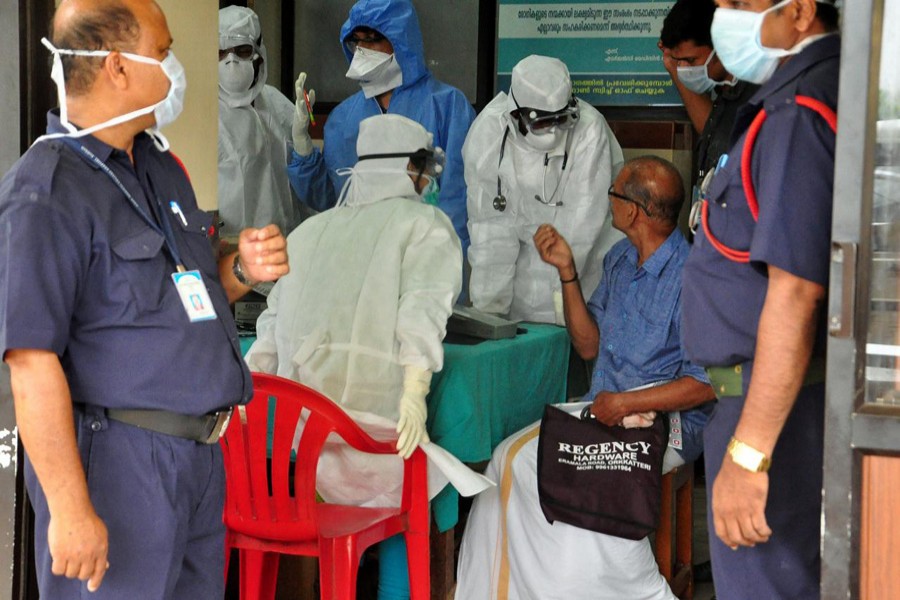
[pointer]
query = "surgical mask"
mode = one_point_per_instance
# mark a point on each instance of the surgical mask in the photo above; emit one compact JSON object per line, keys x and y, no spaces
{"x":376,"y":72}
{"x":736,"y":35}
{"x":430,"y":195}
{"x":546,"y":141}
{"x":697,"y":78}
{"x":166,"y":111}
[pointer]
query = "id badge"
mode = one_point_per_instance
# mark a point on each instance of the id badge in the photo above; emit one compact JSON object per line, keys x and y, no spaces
{"x":194,"y":296}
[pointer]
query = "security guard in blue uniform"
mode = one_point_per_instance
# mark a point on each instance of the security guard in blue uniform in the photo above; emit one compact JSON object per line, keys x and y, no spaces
{"x":114,"y":321}
{"x":754,"y":289}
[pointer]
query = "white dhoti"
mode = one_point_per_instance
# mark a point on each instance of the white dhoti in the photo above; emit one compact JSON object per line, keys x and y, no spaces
{"x":510,"y":551}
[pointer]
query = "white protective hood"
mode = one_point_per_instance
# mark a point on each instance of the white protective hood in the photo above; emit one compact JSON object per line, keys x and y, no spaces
{"x":239,"y":25}
{"x":540,"y":82}
{"x":372,"y":180}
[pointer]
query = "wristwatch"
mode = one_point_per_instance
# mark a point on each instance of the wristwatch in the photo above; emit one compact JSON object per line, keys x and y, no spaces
{"x":239,"y":272}
{"x":748,"y":457}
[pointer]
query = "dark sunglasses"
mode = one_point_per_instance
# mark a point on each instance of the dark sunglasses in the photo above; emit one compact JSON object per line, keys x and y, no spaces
{"x":612,"y":192}
{"x":243,"y":52}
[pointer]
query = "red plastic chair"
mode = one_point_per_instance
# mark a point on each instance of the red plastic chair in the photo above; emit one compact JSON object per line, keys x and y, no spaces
{"x":266,"y":516}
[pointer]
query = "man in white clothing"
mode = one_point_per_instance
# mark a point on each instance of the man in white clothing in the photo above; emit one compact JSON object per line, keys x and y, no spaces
{"x":254,"y":131}
{"x":537,"y":155}
{"x":362,"y":318}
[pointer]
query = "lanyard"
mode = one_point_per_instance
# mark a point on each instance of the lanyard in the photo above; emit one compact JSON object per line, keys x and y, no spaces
{"x":165,"y":231}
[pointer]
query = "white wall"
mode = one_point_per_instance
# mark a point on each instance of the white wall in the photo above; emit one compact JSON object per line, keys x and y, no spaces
{"x":195,"y":29}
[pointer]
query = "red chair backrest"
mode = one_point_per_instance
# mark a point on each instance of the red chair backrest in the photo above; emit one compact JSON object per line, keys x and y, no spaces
{"x":259,"y":499}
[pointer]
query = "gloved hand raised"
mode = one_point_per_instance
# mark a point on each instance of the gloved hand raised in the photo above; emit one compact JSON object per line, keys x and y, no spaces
{"x":300,"y":128}
{"x":413,"y":412}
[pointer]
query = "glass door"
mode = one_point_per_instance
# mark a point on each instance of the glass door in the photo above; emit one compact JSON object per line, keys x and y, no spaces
{"x":862,"y":449}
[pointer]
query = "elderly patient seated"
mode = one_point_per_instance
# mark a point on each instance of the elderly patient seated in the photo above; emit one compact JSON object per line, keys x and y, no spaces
{"x":631,"y":326}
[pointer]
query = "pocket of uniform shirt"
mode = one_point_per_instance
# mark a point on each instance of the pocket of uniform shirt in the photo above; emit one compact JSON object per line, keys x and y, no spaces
{"x":196,"y":221}
{"x":198,"y":250}
{"x":144,"y":268}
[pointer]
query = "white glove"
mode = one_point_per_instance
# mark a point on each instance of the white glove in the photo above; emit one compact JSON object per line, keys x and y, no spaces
{"x":639,"y":420}
{"x":300,"y":129}
{"x":413,"y":412}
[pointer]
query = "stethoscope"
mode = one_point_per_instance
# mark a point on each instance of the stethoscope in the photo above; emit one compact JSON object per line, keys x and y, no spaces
{"x":500,"y":200}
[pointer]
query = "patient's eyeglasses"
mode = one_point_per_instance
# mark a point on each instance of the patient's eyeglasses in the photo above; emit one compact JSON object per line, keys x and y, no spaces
{"x":612,"y":192}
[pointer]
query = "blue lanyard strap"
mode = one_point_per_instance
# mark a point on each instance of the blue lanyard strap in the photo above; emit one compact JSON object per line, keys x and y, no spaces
{"x":166,"y":230}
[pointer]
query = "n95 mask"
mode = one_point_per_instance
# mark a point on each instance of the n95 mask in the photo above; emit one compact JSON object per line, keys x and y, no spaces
{"x":376,"y":72}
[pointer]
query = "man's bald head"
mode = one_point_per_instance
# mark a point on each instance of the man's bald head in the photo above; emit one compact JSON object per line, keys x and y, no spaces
{"x":656,"y":183}
{"x":93,"y":25}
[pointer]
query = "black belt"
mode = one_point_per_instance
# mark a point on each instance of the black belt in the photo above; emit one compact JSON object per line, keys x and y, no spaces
{"x":206,"y":429}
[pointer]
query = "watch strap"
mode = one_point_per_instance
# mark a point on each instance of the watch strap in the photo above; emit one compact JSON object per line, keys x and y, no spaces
{"x":747,"y":457}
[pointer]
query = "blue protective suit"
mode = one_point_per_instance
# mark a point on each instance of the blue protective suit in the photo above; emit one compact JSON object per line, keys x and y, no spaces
{"x":440,"y":108}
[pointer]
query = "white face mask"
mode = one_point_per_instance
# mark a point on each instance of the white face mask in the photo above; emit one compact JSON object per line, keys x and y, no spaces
{"x":376,"y":72}
{"x":736,"y":35}
{"x":236,"y":77}
{"x":165,"y":112}
{"x":697,"y":78}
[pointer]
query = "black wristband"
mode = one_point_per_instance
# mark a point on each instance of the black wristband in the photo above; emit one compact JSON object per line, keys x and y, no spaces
{"x":573,"y":280}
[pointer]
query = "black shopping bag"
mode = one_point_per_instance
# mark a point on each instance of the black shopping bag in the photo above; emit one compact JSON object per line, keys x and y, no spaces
{"x":606,"y":479}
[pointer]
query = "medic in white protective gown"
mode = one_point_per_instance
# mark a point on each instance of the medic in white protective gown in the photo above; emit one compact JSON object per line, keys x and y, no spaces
{"x":557,"y":164}
{"x":254,"y":131}
{"x":363,"y":312}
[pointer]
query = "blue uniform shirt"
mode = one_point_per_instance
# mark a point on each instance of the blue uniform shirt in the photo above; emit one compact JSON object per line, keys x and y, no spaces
{"x":83,"y":276}
{"x":795,"y":147}
{"x":638,"y":312}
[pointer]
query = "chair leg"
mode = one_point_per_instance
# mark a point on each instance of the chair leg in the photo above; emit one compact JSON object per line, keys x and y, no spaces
{"x":338,"y":565}
{"x":418,"y":557}
{"x":259,"y":574}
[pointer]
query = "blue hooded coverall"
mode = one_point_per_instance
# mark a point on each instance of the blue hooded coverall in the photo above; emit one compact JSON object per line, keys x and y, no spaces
{"x":440,"y":108}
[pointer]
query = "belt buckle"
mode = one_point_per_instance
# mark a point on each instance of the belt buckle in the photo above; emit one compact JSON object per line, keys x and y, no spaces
{"x":222,"y":419}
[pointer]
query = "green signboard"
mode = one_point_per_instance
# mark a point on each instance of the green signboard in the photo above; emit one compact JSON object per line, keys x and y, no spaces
{"x":609,"y":47}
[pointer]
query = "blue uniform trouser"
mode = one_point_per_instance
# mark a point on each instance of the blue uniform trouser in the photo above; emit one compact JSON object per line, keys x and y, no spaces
{"x":161,"y":498}
{"x":787,"y":566}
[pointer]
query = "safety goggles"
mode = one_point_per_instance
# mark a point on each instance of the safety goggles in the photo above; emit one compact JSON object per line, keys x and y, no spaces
{"x":614,"y":194}
{"x":357,"y":38}
{"x":429,"y":161}
{"x":242,"y":52}
{"x":539,"y":121}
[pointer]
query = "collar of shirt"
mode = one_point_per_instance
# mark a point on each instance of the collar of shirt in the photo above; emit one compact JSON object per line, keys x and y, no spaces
{"x":100,"y":149}
{"x":660,"y":257}
{"x":825,"y":48}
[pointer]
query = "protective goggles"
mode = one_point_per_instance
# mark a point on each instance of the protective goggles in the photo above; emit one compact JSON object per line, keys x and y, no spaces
{"x":538,"y":121}
{"x":356,"y":38}
{"x":430,"y":161}
{"x":243,"y":52}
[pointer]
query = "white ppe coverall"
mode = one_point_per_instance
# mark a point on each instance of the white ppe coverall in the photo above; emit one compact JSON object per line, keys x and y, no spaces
{"x":371,"y":286}
{"x":254,"y":134}
{"x":508,"y":276}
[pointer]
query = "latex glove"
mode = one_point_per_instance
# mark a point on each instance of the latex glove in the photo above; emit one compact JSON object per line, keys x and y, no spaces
{"x":300,"y":129}
{"x":413,"y":412}
{"x":639,"y":420}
